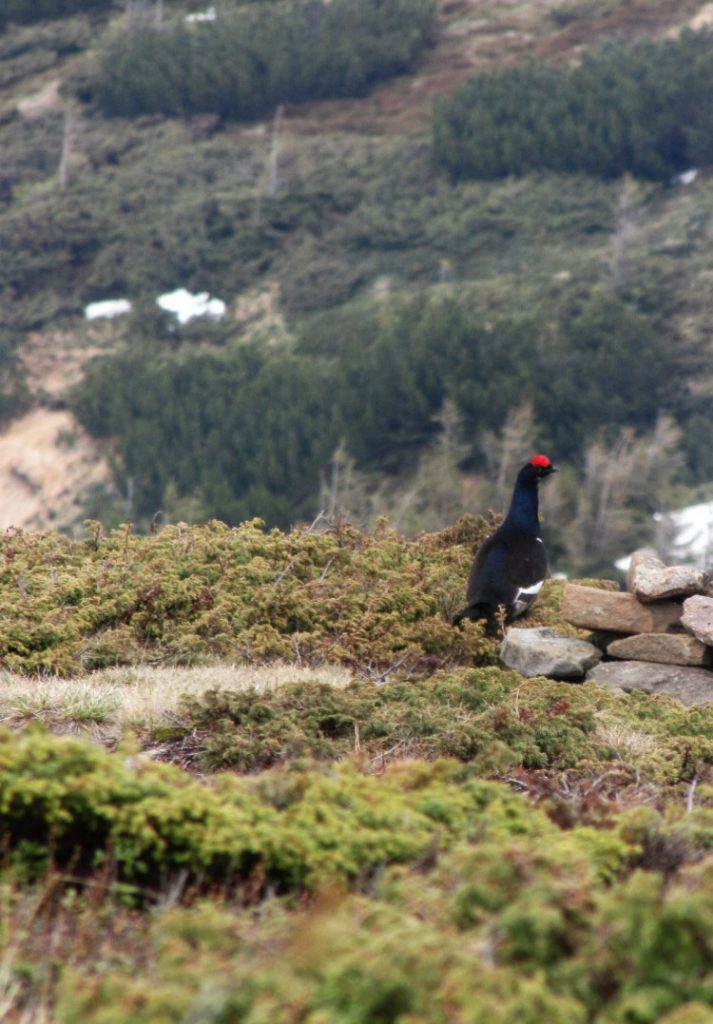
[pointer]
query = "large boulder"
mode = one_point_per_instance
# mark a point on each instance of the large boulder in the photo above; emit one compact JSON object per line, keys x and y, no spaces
{"x":689,"y":685}
{"x":651,"y":580}
{"x":698,"y":618}
{"x":544,"y":652}
{"x":665,"y":648}
{"x":616,"y":611}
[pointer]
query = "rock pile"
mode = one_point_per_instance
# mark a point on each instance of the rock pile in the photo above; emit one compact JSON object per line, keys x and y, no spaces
{"x":657,"y":637}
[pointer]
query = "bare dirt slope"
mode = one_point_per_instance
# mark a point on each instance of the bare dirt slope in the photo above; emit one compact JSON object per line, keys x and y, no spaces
{"x":46,"y":462}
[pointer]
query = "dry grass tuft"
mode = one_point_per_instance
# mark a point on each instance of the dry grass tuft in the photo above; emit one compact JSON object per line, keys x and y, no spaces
{"x":112,"y":702}
{"x":629,"y":743}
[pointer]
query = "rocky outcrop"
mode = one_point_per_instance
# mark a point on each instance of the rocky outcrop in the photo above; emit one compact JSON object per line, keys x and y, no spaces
{"x":650,"y":579}
{"x":544,"y":652}
{"x":698,"y":618}
{"x":658,"y":637}
{"x":617,"y":612}
{"x":664,"y":648}
{"x":689,"y":685}
{"x":668,"y":641}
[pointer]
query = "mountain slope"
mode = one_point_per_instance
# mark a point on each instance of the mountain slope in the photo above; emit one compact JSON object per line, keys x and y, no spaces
{"x":329,"y":205}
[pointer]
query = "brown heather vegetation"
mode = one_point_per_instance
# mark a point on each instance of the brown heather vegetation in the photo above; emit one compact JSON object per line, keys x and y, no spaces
{"x":418,"y":836}
{"x":188,"y":593}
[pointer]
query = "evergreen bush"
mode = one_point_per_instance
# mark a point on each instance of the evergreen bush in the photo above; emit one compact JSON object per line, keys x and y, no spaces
{"x":249,"y":433}
{"x":28,"y":11}
{"x":187,"y":594}
{"x":77,"y":804}
{"x":243,"y":64}
{"x":645,"y":109}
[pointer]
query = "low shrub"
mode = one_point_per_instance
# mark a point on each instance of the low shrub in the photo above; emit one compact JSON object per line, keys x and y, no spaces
{"x":28,"y":11}
{"x":189,"y":593}
{"x":491,"y":718}
{"x":66,"y":802}
{"x":245,"y":63}
{"x":486,"y":716}
{"x":504,"y":917}
{"x":641,"y":109}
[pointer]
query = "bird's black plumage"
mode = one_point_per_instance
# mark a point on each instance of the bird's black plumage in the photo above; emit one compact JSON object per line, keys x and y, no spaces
{"x":510,"y":566}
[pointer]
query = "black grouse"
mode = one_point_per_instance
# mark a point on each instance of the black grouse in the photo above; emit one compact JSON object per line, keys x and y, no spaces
{"x":511,"y":565}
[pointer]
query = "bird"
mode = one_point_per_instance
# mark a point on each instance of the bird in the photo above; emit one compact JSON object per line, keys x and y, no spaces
{"x":510,"y":566}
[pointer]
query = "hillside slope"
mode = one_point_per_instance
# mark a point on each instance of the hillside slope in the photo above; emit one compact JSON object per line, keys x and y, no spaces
{"x":328,"y":208}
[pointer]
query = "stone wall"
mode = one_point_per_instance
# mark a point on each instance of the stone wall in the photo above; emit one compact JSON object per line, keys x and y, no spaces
{"x":657,"y":636}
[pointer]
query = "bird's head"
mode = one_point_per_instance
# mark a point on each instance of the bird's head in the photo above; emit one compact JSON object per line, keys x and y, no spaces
{"x":537,"y":469}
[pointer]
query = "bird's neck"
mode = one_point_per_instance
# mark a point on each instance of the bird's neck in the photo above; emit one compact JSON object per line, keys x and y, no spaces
{"x":523,"y":513}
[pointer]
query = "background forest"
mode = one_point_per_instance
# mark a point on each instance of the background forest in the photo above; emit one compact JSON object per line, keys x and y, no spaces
{"x":423,"y":285}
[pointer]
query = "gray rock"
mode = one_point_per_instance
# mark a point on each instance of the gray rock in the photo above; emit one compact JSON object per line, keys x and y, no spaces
{"x":698,"y":618}
{"x":651,"y":580}
{"x":665,"y":648}
{"x":616,"y":611}
{"x":544,"y":652}
{"x":689,"y":685}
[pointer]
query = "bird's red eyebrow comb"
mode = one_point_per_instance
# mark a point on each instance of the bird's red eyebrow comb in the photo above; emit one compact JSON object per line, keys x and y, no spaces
{"x":539,"y":460}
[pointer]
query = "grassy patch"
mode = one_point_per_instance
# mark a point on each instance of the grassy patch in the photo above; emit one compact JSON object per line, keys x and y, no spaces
{"x":110,"y":703}
{"x":488,"y":717}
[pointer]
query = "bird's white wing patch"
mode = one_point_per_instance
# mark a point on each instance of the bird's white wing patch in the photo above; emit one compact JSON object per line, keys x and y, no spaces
{"x":539,"y":540}
{"x":524,"y":597}
{"x":531,"y":591}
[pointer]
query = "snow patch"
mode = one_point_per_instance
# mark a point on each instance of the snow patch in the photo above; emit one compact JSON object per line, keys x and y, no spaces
{"x":686,"y":536}
{"x":691,"y":531}
{"x":186,"y":306}
{"x":685,"y":177}
{"x":207,"y":15}
{"x":703,"y":18}
{"x":107,"y":308}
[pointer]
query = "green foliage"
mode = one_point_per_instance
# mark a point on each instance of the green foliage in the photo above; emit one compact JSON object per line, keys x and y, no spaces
{"x":191,"y":593}
{"x":425,"y":888}
{"x":436,"y":897}
{"x":371,"y":891}
{"x":245,"y":432}
{"x":468,"y":716}
{"x":27,"y":11}
{"x":250,"y":433}
{"x":491,"y":718}
{"x":390,"y":385}
{"x":596,"y":340}
{"x":245,"y":63}
{"x":14,"y":395}
{"x":697,"y":446}
{"x":641,"y":108}
{"x":304,"y":828}
{"x":157,"y":208}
